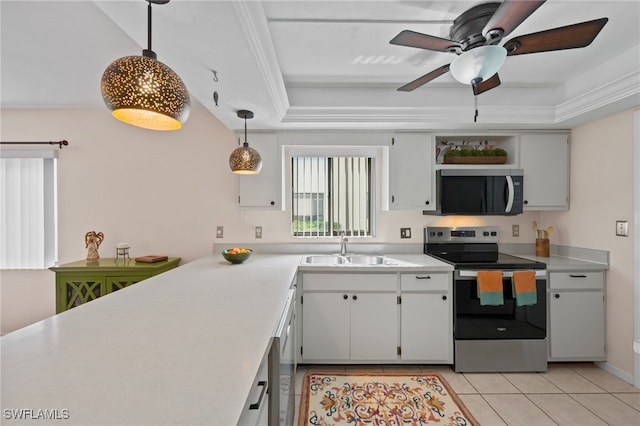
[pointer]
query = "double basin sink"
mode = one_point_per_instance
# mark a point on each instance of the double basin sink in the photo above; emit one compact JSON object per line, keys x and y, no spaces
{"x":348,"y":260}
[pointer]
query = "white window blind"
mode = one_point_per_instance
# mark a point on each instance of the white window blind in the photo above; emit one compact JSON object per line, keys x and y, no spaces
{"x":331,"y":195}
{"x":27,"y":209}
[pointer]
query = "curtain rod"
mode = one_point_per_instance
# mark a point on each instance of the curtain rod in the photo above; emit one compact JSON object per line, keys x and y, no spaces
{"x":59,"y":143}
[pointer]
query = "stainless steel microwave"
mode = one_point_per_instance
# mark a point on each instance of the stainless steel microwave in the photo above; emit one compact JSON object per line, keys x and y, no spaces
{"x":478,"y":192}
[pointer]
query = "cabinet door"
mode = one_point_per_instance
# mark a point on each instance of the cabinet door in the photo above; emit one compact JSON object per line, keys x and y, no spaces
{"x":73,"y":290}
{"x":426,"y":333}
{"x":545,"y":161}
{"x":576,"y":325}
{"x":264,"y":189}
{"x":325,"y":330}
{"x":115,"y":283}
{"x":411,"y":172}
{"x":374,"y":326}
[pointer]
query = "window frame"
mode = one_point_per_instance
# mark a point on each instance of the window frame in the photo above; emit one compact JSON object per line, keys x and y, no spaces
{"x":374,"y":155}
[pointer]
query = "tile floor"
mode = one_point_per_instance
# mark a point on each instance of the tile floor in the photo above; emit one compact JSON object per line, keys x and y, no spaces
{"x":566,"y":394}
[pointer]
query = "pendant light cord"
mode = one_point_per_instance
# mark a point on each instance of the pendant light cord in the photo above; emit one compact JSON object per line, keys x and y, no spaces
{"x":245,"y":132}
{"x":148,"y":52}
{"x":149,"y":26}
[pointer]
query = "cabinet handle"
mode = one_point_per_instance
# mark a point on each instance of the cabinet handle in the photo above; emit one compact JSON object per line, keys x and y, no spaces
{"x":423,"y":277}
{"x":393,"y":198}
{"x":557,"y":296}
{"x":427,"y":202}
{"x":355,"y":297}
{"x":273,"y":203}
{"x":345,"y":297}
{"x":256,"y":405}
{"x":444,"y":297}
{"x":577,"y":276}
{"x":525,"y":202}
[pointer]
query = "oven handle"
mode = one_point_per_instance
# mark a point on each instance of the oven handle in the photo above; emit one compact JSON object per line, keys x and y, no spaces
{"x":540,"y":273}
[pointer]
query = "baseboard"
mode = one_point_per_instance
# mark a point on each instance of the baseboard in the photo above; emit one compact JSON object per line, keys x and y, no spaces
{"x":616,"y":372}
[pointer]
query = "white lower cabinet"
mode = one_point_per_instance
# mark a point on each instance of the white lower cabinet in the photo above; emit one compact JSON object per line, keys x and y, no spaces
{"x":426,"y":322}
{"x":576,"y":316}
{"x":383,"y":317}
{"x":349,"y":317}
{"x":256,"y":408}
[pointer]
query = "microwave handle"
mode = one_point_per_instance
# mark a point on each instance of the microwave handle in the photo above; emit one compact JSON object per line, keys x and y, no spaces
{"x":511,"y":194}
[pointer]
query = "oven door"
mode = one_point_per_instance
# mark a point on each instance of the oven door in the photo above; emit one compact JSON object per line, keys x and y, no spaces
{"x":473,"y":321}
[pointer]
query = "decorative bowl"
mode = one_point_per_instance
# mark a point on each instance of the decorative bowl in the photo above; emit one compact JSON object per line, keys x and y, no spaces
{"x":236,"y":255}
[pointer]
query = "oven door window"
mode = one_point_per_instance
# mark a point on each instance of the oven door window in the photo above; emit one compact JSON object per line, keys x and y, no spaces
{"x":473,"y":321}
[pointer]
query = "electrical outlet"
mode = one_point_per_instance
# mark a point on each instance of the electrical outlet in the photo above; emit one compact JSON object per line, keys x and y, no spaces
{"x":219,"y":231}
{"x":258,"y":231}
{"x":405,"y":232}
{"x":515,"y":230}
{"x":622,"y":228}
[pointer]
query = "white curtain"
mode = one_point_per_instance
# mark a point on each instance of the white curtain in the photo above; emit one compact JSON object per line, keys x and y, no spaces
{"x":27,"y":209}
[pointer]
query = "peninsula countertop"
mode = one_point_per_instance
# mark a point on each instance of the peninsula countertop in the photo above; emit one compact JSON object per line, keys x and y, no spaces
{"x":182,"y":347}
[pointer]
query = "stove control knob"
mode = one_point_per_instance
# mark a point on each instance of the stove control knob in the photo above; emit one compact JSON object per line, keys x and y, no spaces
{"x":439,"y":233}
{"x":485,"y":233}
{"x":494,"y":233}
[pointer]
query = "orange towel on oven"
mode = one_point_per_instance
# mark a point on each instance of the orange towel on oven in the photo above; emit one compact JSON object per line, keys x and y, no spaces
{"x":524,"y":287}
{"x":490,"y":288}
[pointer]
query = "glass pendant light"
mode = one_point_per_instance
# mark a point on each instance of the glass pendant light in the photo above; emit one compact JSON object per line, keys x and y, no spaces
{"x":245,"y":160}
{"x":478,"y":64}
{"x":144,"y":92}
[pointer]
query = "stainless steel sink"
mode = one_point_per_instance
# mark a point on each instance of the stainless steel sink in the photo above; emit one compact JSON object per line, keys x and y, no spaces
{"x":362,"y":259}
{"x":328,"y":259}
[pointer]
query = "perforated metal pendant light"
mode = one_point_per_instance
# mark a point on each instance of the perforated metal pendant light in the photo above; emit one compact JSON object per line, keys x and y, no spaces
{"x":144,"y":92}
{"x":245,"y":160}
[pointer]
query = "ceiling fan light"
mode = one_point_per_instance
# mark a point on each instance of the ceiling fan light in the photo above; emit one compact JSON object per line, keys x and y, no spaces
{"x":481,"y":62}
{"x":146,"y":93}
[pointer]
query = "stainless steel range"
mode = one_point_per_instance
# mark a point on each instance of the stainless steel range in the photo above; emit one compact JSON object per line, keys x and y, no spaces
{"x":500,"y":337}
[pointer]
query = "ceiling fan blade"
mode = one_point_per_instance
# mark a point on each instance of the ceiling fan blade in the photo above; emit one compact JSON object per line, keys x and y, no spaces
{"x":424,"y":41}
{"x":424,"y":79}
{"x":485,"y":85}
{"x":569,"y":37}
{"x":508,"y":16}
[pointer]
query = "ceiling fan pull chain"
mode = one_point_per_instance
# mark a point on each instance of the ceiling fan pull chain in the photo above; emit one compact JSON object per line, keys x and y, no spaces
{"x":475,"y":102}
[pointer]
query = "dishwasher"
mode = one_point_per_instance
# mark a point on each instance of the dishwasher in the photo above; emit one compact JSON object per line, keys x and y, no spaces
{"x":282,"y":367}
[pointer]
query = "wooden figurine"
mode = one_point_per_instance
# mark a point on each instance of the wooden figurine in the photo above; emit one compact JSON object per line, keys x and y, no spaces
{"x":92,"y":242}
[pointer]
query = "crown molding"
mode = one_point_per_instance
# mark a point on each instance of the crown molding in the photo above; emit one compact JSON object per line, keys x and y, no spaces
{"x":611,"y":92}
{"x":254,"y":23}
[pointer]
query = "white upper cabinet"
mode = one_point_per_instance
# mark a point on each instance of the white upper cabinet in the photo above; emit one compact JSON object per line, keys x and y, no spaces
{"x":544,"y":157}
{"x":411,"y":173}
{"x":263,"y":190}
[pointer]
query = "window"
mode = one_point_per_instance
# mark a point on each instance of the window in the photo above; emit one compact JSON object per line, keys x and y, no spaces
{"x":331,"y":195}
{"x":27,"y":209}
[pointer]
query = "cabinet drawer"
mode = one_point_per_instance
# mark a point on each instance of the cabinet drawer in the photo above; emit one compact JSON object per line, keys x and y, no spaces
{"x":425,"y":281}
{"x":576,"y":280}
{"x":350,"y":282}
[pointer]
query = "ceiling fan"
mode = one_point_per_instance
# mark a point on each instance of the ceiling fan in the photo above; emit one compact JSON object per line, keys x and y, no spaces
{"x":475,"y":36}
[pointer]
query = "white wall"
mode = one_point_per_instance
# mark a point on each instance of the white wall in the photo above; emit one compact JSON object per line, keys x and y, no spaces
{"x":601,"y":193}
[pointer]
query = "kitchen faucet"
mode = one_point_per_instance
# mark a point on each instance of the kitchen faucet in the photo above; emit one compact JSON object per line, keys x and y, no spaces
{"x":343,"y":243}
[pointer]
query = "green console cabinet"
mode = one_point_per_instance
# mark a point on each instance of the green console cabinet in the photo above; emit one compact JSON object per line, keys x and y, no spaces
{"x":80,"y":282}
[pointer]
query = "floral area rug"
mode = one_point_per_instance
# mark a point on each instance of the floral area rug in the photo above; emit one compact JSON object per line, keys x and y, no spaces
{"x":378,"y":399}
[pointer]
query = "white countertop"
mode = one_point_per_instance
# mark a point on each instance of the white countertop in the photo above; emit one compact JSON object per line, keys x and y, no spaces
{"x":566,"y":264}
{"x":181,"y":348}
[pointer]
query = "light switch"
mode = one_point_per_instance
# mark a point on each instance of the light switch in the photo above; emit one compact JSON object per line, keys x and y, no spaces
{"x":622,"y":228}
{"x":405,"y":232}
{"x":219,"y":232}
{"x":258,"y":231}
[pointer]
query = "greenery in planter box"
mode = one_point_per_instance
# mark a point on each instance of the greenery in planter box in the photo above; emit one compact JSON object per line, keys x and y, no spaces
{"x":465,"y":152}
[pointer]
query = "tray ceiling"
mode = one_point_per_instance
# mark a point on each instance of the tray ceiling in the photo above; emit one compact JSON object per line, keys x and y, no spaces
{"x":319,"y":64}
